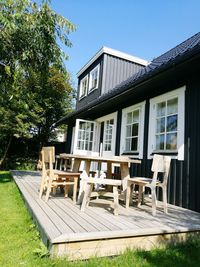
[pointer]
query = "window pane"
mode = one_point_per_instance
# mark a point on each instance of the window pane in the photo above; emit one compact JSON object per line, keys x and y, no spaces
{"x":128,"y":144}
{"x":135,"y":129}
{"x":171,"y":142}
{"x":111,"y":122}
{"x":134,"y":143}
{"x":78,"y":145}
{"x":136,"y":115}
{"x":128,"y":131}
{"x":91,"y":136}
{"x":82,"y":145}
{"x":87,"y":146}
{"x":94,"y":79}
{"x":172,"y":123}
{"x":129,"y":118}
{"x":83,"y":87}
{"x":80,"y":125}
{"x":87,"y":136}
{"x":108,"y":147}
{"x":172,"y":106}
{"x":160,"y":125}
{"x":92,"y":127}
{"x":160,"y":142}
{"x":161,"y":109}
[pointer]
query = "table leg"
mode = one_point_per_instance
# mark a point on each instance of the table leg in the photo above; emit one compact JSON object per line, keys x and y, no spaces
{"x":87,"y":166}
{"x":76,"y":165}
{"x":116,"y":200}
{"x":128,"y":194}
{"x":125,"y":176}
{"x":86,"y":195}
{"x":109,"y":170}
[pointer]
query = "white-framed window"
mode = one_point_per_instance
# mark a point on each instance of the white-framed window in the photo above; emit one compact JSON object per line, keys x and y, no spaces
{"x":83,"y":87}
{"x":85,"y":136}
{"x":166,"y":123}
{"x":94,"y":79}
{"x":132,"y":130}
{"x":109,"y":125}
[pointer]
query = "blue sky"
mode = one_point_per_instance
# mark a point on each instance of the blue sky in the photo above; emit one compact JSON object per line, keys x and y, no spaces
{"x":143,"y":28}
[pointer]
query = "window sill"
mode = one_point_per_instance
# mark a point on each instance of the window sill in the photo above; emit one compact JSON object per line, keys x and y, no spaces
{"x":92,"y":90}
{"x":130,"y":153}
{"x":134,"y":155}
{"x":82,"y":97}
{"x":164,"y":152}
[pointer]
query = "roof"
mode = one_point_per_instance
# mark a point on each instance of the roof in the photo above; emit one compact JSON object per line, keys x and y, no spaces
{"x":110,"y":51}
{"x":178,"y":54}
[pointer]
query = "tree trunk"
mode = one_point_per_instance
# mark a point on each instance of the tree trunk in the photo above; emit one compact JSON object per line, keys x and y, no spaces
{"x":6,"y":150}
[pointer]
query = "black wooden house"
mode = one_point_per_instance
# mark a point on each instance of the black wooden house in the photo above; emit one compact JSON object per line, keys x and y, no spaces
{"x":126,"y":106}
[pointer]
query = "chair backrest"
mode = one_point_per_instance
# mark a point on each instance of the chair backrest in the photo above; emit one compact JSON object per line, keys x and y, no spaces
{"x":48,"y":158}
{"x":160,"y":164}
{"x":46,"y":154}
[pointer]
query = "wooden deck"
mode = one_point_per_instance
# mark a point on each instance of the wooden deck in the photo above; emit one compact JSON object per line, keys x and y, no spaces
{"x":67,"y":231}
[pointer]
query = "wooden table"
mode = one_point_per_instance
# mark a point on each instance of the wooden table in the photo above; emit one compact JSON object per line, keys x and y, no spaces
{"x":123,"y":161}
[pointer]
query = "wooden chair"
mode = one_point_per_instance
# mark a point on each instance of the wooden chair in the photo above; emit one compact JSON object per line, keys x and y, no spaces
{"x":88,"y":192}
{"x":160,"y":164}
{"x":52,"y":178}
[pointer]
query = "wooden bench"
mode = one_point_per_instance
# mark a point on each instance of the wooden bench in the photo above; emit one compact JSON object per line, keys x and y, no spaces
{"x":88,"y":193}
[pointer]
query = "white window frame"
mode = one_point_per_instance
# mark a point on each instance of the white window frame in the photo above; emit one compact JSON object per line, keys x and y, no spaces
{"x":139,"y":152}
{"x":81,"y":87}
{"x":180,"y":94}
{"x":90,"y":78}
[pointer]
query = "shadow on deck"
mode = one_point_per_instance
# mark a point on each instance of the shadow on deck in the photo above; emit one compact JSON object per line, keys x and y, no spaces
{"x":67,"y":231}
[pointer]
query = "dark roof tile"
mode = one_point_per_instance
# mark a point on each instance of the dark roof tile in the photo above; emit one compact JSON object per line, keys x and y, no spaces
{"x":157,"y":64}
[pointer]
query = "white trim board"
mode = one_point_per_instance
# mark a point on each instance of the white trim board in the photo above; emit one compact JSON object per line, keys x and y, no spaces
{"x":115,"y":53}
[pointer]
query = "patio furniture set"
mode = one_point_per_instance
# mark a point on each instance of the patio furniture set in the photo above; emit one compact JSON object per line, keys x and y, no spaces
{"x":89,"y":183}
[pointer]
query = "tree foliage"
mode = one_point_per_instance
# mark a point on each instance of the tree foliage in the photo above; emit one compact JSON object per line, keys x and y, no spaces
{"x":35,"y":88}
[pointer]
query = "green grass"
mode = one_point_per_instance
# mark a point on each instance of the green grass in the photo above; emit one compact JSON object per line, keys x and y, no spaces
{"x":20,"y":243}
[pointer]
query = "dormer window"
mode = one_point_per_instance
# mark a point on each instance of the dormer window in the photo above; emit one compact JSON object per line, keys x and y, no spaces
{"x":83,"y":87}
{"x":94,"y":79}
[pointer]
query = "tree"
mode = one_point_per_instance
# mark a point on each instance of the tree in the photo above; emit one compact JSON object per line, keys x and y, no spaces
{"x":35,"y":88}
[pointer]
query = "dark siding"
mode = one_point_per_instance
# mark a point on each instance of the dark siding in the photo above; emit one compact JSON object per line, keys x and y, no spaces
{"x":117,"y":70}
{"x":69,"y":138}
{"x":193,"y":137}
{"x":118,"y":132}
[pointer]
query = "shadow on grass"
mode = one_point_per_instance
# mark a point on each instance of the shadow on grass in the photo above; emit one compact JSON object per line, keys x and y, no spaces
{"x":183,"y":254}
{"x":5,"y":177}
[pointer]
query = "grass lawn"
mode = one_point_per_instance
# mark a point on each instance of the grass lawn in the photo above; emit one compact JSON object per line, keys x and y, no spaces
{"x":20,"y":242}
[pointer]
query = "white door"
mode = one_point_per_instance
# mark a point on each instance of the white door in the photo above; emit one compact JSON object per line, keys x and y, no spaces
{"x":86,"y":140}
{"x":109,"y":135}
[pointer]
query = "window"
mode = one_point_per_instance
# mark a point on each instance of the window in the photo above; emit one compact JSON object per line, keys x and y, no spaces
{"x":166,"y":123}
{"x":132,"y":130}
{"x":85,"y":136}
{"x":94,"y":79}
{"x":109,"y":124}
{"x":83,"y":87}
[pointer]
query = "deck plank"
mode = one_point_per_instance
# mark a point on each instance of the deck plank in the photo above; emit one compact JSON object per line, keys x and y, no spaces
{"x":42,"y":217}
{"x":63,"y":215}
{"x":70,"y":230}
